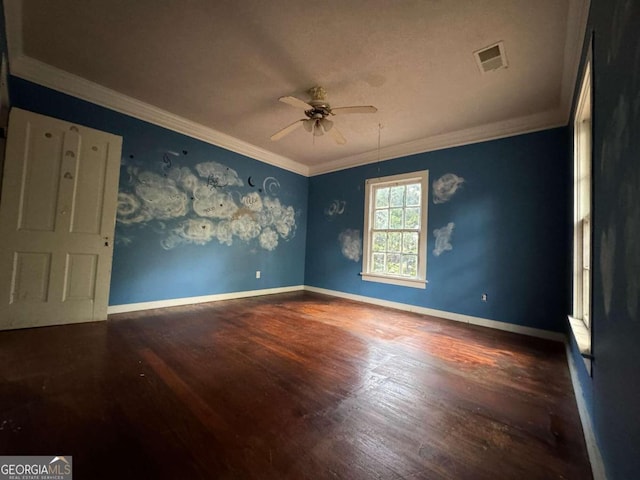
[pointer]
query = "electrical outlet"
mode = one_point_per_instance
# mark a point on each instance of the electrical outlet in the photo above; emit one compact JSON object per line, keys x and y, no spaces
{"x":484,"y":297}
{"x":257,"y":273}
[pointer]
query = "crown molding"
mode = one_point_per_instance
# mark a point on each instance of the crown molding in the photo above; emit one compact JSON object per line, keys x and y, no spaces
{"x":483,"y":133}
{"x":577,"y":19}
{"x":33,"y":70}
{"x":43,"y":74}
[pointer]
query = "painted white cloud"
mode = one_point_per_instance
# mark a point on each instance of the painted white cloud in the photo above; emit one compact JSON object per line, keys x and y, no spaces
{"x":443,"y":239}
{"x":224,"y":233}
{"x":245,"y":227}
{"x":171,"y":241}
{"x":271,"y":185}
{"x":268,"y":239}
{"x":213,"y":203}
{"x":184,"y":208}
{"x":197,"y":231}
{"x":252,"y":201}
{"x":129,"y":209}
{"x":123,"y":240}
{"x":160,"y":196}
{"x":335,"y":208}
{"x":200,"y":231}
{"x":184,"y":177}
{"x":278,"y":216}
{"x":351,"y":244}
{"x":445,"y":187}
{"x":218,"y":175}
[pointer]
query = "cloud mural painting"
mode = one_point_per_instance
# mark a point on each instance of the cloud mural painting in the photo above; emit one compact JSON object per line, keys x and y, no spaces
{"x":268,"y":239}
{"x":445,"y":187}
{"x":218,"y":175}
{"x":271,"y":185}
{"x":443,"y":239}
{"x":351,"y":244}
{"x":187,"y":207}
{"x":335,"y":208}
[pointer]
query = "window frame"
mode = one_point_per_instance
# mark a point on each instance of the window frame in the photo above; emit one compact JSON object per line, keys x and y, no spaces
{"x":580,"y":319}
{"x":371,"y":184}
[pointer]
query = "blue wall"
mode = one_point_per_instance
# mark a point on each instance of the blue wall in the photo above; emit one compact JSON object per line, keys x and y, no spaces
{"x":193,"y":219}
{"x":510,"y":237}
{"x":613,"y":391}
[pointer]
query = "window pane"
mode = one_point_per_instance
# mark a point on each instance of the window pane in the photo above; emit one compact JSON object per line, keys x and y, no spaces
{"x":413,"y":195}
{"x":393,"y":263}
{"x":410,"y":242}
{"x":382,"y":197}
{"x":412,"y":218}
{"x":395,"y":218}
{"x":410,"y":265}
{"x":379,"y":242}
{"x":397,"y":196}
{"x":378,"y":262}
{"x":395,"y":242}
{"x":382,"y":220}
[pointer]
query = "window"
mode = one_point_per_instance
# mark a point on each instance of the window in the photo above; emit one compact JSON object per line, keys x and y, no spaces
{"x":395,"y":225}
{"x":580,"y":319}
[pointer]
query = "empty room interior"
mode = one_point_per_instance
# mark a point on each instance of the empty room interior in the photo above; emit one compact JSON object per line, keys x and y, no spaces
{"x":320,"y":240}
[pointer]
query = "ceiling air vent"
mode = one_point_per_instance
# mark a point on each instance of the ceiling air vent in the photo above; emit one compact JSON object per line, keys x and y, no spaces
{"x":491,"y":58}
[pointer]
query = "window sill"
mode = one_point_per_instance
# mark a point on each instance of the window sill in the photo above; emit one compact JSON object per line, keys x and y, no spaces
{"x":582,"y":335}
{"x":404,"y":282}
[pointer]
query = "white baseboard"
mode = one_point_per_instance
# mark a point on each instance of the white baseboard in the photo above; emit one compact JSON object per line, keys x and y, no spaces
{"x":458,"y":317}
{"x":595,"y":458}
{"x":176,"y":302}
{"x":483,"y":322}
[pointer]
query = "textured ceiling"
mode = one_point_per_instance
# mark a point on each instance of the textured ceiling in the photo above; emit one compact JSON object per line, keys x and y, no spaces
{"x":223,"y":65}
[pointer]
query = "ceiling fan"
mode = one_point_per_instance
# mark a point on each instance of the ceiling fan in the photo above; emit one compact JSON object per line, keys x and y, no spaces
{"x":317,"y":110}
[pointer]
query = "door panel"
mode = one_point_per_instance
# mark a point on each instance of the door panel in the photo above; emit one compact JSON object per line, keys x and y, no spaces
{"x":90,"y":188}
{"x":39,"y":182}
{"x":80,"y":277}
{"x":30,"y":282}
{"x":57,"y":217}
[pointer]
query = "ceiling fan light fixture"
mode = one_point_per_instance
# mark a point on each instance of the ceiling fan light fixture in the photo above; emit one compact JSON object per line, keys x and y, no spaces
{"x":308,"y":124}
{"x":326,"y":124}
{"x":317,"y":130}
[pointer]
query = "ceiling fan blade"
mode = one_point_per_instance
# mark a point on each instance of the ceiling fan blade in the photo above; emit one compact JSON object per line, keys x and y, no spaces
{"x":337,"y":136}
{"x":355,"y":109}
{"x":287,"y":130}
{"x":295,"y":102}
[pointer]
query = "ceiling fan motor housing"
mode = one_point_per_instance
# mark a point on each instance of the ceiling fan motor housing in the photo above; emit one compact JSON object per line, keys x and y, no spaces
{"x":317,"y":112}
{"x":321,"y":108}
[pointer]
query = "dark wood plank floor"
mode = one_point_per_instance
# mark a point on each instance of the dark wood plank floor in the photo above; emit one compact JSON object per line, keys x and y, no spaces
{"x":292,"y":386}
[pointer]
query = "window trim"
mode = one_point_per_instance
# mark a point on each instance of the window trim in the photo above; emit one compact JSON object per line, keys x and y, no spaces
{"x":421,"y":177}
{"x":579,"y":320}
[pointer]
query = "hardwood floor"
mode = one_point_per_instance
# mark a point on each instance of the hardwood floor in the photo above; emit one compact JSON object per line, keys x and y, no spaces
{"x":291,"y":386}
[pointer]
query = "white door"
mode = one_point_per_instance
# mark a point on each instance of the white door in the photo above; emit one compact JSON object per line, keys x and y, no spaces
{"x":57,"y":219}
